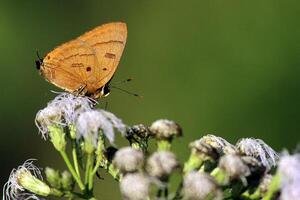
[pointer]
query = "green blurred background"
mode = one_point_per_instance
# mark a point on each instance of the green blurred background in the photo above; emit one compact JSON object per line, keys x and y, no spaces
{"x":230,"y":68}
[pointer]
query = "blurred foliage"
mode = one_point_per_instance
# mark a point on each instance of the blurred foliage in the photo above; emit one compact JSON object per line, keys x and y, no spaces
{"x":230,"y":68}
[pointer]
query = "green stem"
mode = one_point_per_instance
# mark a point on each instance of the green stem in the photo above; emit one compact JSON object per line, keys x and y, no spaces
{"x":75,"y":159}
{"x":72,"y":170}
{"x":114,"y":172}
{"x":99,"y":155}
{"x":89,"y":172}
{"x":67,"y":194}
{"x":91,"y":175}
{"x":194,"y":162}
{"x":220,"y":176}
{"x":164,"y":145}
{"x":255,"y":195}
{"x":97,"y":165}
{"x":87,"y":168}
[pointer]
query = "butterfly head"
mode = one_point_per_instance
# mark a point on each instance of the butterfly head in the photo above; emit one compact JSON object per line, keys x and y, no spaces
{"x":101,"y":92}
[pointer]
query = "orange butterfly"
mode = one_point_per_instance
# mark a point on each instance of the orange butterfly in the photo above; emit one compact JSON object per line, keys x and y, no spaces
{"x":85,"y":65}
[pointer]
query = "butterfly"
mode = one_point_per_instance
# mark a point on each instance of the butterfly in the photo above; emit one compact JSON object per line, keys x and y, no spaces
{"x":85,"y":66}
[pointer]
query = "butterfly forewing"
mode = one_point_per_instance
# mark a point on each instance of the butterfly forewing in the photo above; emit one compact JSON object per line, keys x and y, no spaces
{"x":88,"y":61}
{"x":108,"y":41}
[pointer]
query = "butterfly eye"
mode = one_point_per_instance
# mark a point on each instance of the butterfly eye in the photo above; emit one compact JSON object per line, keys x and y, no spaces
{"x":38,"y":64}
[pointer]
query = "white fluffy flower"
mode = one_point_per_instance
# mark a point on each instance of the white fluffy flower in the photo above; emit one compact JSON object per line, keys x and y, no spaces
{"x":71,"y":106}
{"x":165,"y":129}
{"x":62,"y":110}
{"x":46,"y":117}
{"x":200,"y":186}
{"x":135,"y":186}
{"x":258,"y":149}
{"x":289,"y":169}
{"x":161,"y":164}
{"x":219,"y":144}
{"x":25,"y":182}
{"x":234,"y":166}
{"x":89,"y":124}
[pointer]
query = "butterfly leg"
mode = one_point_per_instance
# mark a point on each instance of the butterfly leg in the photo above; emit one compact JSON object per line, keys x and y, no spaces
{"x":80,"y":91}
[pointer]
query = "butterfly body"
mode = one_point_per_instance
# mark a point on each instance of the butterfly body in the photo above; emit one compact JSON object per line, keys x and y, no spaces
{"x":85,"y":65}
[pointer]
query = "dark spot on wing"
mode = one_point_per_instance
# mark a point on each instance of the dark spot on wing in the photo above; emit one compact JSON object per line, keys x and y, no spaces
{"x":110,"y":55}
{"x":88,"y":69}
{"x":104,"y":69}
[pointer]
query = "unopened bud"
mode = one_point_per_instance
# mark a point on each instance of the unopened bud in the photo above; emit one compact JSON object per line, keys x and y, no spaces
{"x":128,"y":159}
{"x":53,"y":177}
{"x":161,"y":164}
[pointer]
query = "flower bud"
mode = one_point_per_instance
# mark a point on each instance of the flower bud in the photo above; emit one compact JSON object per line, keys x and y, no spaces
{"x":48,"y":117}
{"x":258,"y":149}
{"x":57,"y":137}
{"x":200,"y":152}
{"x":234,"y":166}
{"x":67,"y":181}
{"x":161,"y":164}
{"x":138,"y":136}
{"x":128,"y":159}
{"x":200,"y":186}
{"x":139,"y":130}
{"x":165,"y":129}
{"x":256,"y":167}
{"x":53,"y":177}
{"x":134,"y":186}
{"x":203,"y":150}
{"x":220,"y":145}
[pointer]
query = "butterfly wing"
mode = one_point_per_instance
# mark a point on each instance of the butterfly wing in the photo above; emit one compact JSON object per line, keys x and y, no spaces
{"x":69,"y":65}
{"x":89,"y":61}
{"x":108,"y":42}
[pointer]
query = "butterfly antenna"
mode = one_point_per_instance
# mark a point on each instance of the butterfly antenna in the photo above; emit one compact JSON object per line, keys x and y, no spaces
{"x":38,"y":55}
{"x":123,"y":81}
{"x":126,"y":91}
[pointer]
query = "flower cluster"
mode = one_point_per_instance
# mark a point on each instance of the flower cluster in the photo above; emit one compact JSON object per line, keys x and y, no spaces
{"x":214,"y":170}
